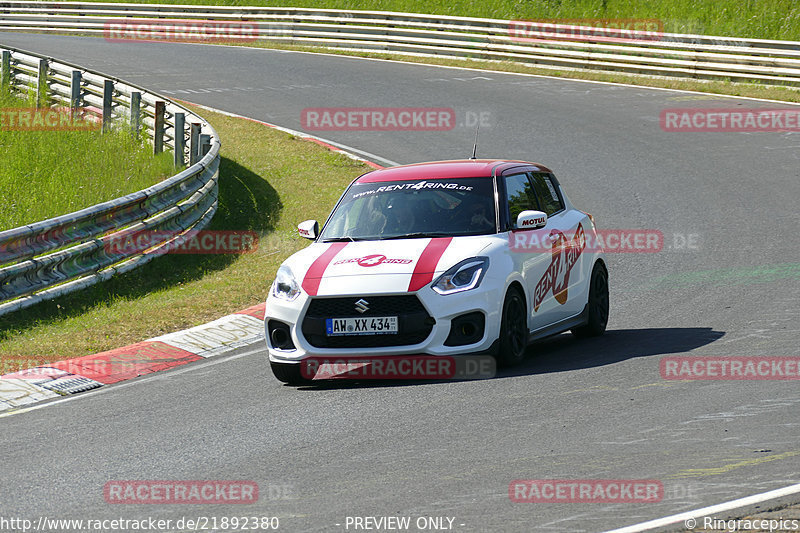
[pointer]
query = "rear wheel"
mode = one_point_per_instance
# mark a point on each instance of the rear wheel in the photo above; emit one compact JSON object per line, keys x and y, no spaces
{"x":288,"y":373}
{"x":513,"y":330}
{"x":597,"y":305}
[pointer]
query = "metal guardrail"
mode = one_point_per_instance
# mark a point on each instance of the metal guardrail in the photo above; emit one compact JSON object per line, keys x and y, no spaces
{"x":56,"y":256}
{"x":693,"y":56}
{"x":66,"y":253}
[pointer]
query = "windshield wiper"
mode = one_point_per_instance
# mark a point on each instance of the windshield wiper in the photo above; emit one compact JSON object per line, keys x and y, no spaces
{"x":340,"y":239}
{"x":417,"y":235}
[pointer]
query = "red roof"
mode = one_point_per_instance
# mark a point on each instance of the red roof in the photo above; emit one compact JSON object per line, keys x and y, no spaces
{"x":466,"y":168}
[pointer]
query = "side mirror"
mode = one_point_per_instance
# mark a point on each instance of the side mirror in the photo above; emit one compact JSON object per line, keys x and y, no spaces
{"x":531,"y":220}
{"x":308,"y":229}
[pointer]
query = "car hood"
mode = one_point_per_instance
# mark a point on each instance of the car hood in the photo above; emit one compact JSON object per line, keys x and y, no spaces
{"x":370,"y":267}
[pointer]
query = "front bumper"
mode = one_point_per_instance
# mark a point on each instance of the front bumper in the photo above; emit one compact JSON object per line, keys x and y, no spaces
{"x":438,"y":310}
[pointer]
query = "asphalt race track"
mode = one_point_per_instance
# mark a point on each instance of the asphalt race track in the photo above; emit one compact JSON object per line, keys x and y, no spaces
{"x":589,"y":409}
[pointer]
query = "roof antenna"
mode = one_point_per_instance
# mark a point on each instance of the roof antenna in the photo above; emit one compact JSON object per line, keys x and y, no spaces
{"x":475,"y":146}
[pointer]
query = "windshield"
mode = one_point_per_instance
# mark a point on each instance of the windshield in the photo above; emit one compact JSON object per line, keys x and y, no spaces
{"x":419,"y":208}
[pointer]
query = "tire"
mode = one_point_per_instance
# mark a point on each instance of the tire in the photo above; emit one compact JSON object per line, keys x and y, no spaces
{"x":513,"y":330}
{"x":288,"y":373}
{"x":597,"y":305}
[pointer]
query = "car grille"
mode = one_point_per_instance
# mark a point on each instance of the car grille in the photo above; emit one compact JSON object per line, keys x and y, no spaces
{"x":414,"y":324}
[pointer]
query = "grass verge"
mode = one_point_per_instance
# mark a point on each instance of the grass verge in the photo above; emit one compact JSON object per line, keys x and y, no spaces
{"x":269,"y":181}
{"x":756,"y":19}
{"x":71,"y":170}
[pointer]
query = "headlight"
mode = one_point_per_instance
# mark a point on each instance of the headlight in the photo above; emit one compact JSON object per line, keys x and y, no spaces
{"x":285,"y":286}
{"x":464,"y":276}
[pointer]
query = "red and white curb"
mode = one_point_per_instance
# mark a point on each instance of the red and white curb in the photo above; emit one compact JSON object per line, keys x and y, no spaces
{"x":73,"y":376}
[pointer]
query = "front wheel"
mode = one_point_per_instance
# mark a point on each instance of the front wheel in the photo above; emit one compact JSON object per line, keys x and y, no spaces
{"x":597,"y":305}
{"x":513,"y":330}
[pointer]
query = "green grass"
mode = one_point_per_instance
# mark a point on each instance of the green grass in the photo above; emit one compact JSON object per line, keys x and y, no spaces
{"x":269,"y":181}
{"x":764,"y":19}
{"x":49,"y":173}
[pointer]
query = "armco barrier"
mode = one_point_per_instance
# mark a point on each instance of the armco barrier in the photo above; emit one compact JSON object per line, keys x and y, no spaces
{"x":663,"y":54}
{"x":66,"y":253}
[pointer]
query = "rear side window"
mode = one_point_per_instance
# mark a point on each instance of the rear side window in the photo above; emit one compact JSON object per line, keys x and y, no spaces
{"x":547,"y":193}
{"x":520,"y":196}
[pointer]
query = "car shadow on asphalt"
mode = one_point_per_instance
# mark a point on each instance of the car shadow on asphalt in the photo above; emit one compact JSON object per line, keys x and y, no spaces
{"x":564,"y":353}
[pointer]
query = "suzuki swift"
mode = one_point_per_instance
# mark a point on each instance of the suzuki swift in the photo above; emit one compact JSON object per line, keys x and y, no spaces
{"x":439,"y":259}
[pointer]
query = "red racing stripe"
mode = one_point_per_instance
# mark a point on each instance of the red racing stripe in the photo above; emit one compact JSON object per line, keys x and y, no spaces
{"x":426,"y":266}
{"x":317,"y":269}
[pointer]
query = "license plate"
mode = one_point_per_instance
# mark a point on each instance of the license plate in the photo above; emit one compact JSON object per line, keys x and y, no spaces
{"x":374,"y":325}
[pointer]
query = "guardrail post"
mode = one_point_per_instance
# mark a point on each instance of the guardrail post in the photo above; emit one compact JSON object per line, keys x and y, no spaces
{"x":63,"y":262}
{"x":180,"y":140}
{"x":41,"y":83}
{"x":5,"y":71}
{"x":194,"y":143}
{"x":205,"y":145}
{"x":108,"y":94}
{"x":75,"y":91}
{"x":136,"y":113}
{"x":158,"y":128}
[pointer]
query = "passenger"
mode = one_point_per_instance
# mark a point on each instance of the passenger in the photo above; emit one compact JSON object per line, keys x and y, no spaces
{"x":403,"y":217}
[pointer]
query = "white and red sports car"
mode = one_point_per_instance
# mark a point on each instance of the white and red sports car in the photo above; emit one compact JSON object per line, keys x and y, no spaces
{"x":441,"y":258}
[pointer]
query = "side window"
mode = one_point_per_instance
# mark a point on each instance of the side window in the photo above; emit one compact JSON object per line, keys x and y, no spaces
{"x":520,"y":196}
{"x":546,"y":191}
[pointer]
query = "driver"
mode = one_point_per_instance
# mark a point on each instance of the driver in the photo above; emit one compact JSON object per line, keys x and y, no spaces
{"x":479,"y":220}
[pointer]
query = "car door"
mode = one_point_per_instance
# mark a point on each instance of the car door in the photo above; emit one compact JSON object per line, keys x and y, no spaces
{"x":531,"y":262}
{"x":565,"y":275}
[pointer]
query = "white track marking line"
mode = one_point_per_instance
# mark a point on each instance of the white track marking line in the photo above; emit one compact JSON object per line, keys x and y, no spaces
{"x":706,"y":511}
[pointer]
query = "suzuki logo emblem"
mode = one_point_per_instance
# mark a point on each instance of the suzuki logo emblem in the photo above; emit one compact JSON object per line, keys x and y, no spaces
{"x":362,"y":306}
